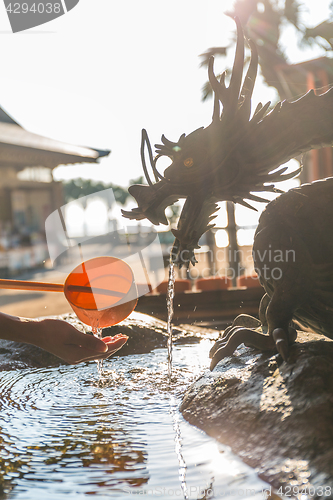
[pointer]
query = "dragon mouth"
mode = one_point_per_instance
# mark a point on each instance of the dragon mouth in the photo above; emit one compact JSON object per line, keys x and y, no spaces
{"x":194,"y":219}
{"x":152,"y":202}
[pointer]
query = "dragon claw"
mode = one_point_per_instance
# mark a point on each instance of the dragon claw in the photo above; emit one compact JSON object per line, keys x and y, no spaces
{"x":248,"y":331}
{"x":292,"y":334}
{"x":281,"y":341}
{"x":216,"y":358}
{"x":216,"y":347}
{"x":236,"y":336}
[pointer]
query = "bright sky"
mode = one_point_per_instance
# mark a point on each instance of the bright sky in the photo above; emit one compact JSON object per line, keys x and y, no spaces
{"x":99,"y":74}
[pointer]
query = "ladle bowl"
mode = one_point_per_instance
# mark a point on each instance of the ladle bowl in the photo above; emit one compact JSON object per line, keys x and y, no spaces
{"x":112,"y":295}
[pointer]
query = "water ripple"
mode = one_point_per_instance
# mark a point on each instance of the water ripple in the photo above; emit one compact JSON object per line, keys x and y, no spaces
{"x":65,"y":431}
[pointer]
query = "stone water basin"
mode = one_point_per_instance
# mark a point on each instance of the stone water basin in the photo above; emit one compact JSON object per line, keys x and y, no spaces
{"x":65,"y":432}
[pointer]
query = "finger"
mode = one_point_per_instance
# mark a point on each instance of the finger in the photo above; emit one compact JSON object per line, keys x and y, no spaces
{"x":115,"y":343}
{"x":118,"y":340}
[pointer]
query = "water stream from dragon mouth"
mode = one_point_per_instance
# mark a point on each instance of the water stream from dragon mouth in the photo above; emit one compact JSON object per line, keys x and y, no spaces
{"x":170,"y":296}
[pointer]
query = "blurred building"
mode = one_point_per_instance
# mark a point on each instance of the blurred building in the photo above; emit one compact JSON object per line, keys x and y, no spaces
{"x":296,"y":79}
{"x":28,"y":193}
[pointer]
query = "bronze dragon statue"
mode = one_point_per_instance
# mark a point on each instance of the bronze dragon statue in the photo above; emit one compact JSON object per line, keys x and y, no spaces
{"x":293,"y":257}
{"x":236,"y":157}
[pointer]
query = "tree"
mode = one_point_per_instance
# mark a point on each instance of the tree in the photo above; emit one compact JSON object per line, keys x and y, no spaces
{"x":77,"y":188}
{"x":262,"y":21}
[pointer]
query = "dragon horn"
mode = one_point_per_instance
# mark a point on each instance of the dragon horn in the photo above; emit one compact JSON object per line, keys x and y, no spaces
{"x":237,"y":70}
{"x":229,"y":96}
{"x":248,"y":85}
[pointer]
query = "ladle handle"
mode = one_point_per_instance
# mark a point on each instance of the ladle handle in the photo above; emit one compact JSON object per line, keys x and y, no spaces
{"x":31,"y":285}
{"x":55,"y":287}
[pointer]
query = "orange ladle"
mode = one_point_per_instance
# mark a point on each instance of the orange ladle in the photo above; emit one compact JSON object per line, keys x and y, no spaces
{"x":101,"y":291}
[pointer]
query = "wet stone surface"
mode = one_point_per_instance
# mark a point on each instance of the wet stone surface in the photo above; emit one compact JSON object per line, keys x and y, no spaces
{"x":276,"y":416}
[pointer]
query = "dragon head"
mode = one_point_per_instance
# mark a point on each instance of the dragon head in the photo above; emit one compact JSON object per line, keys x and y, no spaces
{"x":233,"y":158}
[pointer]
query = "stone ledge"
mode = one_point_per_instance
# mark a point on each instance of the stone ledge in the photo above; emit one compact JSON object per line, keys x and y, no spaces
{"x":277,"y":417}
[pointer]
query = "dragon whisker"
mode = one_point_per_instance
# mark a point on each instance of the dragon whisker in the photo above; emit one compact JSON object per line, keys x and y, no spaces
{"x":144,"y":141}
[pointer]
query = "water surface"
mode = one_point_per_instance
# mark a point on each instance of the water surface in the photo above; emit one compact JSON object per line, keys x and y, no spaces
{"x":64,"y":432}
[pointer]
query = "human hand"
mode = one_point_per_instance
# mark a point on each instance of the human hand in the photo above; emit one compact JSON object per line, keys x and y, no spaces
{"x":65,"y":341}
{"x":59,"y":338}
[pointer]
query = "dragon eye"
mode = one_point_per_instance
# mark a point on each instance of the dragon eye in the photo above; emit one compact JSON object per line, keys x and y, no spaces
{"x":188,"y":162}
